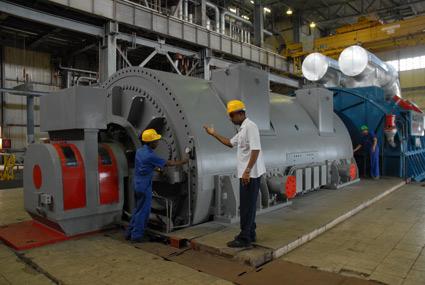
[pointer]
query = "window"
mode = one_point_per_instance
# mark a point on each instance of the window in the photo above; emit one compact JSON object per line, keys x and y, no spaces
{"x":104,"y":156}
{"x":70,"y":159}
{"x":410,"y":63}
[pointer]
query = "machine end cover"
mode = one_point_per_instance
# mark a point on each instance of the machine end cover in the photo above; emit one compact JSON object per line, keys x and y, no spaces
{"x":353,"y":60}
{"x":315,"y":66}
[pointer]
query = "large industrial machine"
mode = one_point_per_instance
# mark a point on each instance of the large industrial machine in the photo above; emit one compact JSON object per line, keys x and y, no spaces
{"x":82,"y":180}
{"x":367,"y":91}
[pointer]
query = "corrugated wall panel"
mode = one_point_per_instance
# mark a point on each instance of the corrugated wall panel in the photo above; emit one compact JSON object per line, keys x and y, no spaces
{"x":20,"y":66}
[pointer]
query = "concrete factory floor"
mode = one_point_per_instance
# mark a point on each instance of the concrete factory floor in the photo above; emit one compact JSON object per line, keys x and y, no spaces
{"x":384,"y":242}
{"x":281,"y":231}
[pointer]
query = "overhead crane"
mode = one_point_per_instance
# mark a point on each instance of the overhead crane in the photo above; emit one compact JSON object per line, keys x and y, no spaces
{"x":370,"y":34}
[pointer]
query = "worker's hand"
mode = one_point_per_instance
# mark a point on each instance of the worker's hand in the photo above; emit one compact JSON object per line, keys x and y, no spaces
{"x":209,"y":130}
{"x":245,"y":177}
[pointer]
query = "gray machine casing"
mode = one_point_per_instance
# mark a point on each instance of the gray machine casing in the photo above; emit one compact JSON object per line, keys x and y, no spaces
{"x":295,"y":134}
{"x":301,"y":136}
{"x":83,"y":109}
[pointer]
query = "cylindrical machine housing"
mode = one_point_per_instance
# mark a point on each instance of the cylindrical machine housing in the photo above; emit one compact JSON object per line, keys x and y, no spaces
{"x":319,"y":68}
{"x":366,"y":69}
{"x":290,"y":137}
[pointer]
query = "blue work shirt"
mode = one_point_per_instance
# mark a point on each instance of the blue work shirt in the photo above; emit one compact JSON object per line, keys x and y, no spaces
{"x":367,"y":141}
{"x":146,"y":162}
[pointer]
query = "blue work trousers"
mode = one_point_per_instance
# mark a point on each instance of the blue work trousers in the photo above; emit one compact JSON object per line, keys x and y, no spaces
{"x":374,"y":162}
{"x":140,"y":217}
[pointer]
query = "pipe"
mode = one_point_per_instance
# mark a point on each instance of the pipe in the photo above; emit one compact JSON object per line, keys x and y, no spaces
{"x":89,"y":79}
{"x":216,"y":15}
{"x":366,"y":69}
{"x":23,"y":93}
{"x":231,"y":15}
{"x":146,"y":6}
{"x":185,"y":10}
{"x":268,"y":33}
{"x":2,"y":85}
{"x":319,"y":68}
{"x":180,"y":9}
{"x":77,"y":70}
{"x":30,"y":119}
{"x":236,"y":17}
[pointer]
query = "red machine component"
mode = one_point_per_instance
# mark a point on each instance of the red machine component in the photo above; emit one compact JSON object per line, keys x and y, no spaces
{"x":390,"y":129}
{"x":108,"y":176}
{"x":406,"y":104}
{"x":73,"y":177}
{"x":291,"y":187}
{"x":29,"y":234}
{"x":353,"y":171}
{"x":390,"y":121}
{"x":37,"y":177}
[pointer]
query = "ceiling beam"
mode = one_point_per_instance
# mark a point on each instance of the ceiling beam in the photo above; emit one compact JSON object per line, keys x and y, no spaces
{"x":35,"y":43}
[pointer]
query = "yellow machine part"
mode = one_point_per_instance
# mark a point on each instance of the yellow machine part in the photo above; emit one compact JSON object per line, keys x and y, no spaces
{"x":8,"y":172}
{"x":369,"y":34}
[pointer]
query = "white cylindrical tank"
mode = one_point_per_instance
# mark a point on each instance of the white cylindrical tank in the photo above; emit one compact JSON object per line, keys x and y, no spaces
{"x":322,"y":69}
{"x":366,"y":69}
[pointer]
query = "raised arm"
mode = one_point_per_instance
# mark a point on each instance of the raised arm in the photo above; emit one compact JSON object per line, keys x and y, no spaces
{"x":213,"y":133}
{"x":357,"y":148}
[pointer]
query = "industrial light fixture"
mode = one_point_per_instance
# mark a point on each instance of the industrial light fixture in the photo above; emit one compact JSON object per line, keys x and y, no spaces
{"x":233,"y":10}
{"x":267,"y":10}
{"x":245,"y":17}
{"x":252,"y":2}
{"x":289,"y":11}
{"x":312,"y":25}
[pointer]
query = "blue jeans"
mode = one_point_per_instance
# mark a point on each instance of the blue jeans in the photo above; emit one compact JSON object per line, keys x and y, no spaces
{"x":140,"y":217}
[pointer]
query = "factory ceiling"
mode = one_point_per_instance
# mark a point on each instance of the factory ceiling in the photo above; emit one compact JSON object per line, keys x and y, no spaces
{"x":330,"y":14}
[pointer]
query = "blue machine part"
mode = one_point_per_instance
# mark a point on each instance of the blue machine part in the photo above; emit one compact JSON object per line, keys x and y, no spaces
{"x":367,"y":106}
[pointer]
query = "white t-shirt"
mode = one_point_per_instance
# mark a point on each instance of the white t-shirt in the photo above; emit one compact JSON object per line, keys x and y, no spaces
{"x":247,"y":139}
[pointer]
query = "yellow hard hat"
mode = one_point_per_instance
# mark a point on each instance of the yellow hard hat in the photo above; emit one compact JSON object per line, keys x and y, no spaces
{"x":150,"y":135}
{"x":234,"y":106}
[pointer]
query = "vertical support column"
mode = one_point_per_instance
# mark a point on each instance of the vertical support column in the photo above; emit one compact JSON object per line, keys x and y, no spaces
{"x":186,"y":10}
{"x":108,"y":51}
{"x":206,"y":57}
{"x":201,"y":13}
{"x":296,"y":26}
{"x":258,"y":23}
{"x":30,"y":119}
{"x":91,"y":166}
{"x":2,"y":85}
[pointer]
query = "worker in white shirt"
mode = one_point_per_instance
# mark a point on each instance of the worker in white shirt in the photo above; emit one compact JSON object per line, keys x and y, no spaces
{"x":250,"y":168}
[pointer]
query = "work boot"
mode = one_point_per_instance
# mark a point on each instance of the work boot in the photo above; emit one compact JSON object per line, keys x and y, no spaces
{"x":375,"y":177}
{"x":237,"y":243}
{"x":253,"y":238}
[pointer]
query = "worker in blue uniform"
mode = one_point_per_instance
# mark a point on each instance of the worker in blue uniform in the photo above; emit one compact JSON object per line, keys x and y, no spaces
{"x":146,"y":162}
{"x":369,"y":143}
